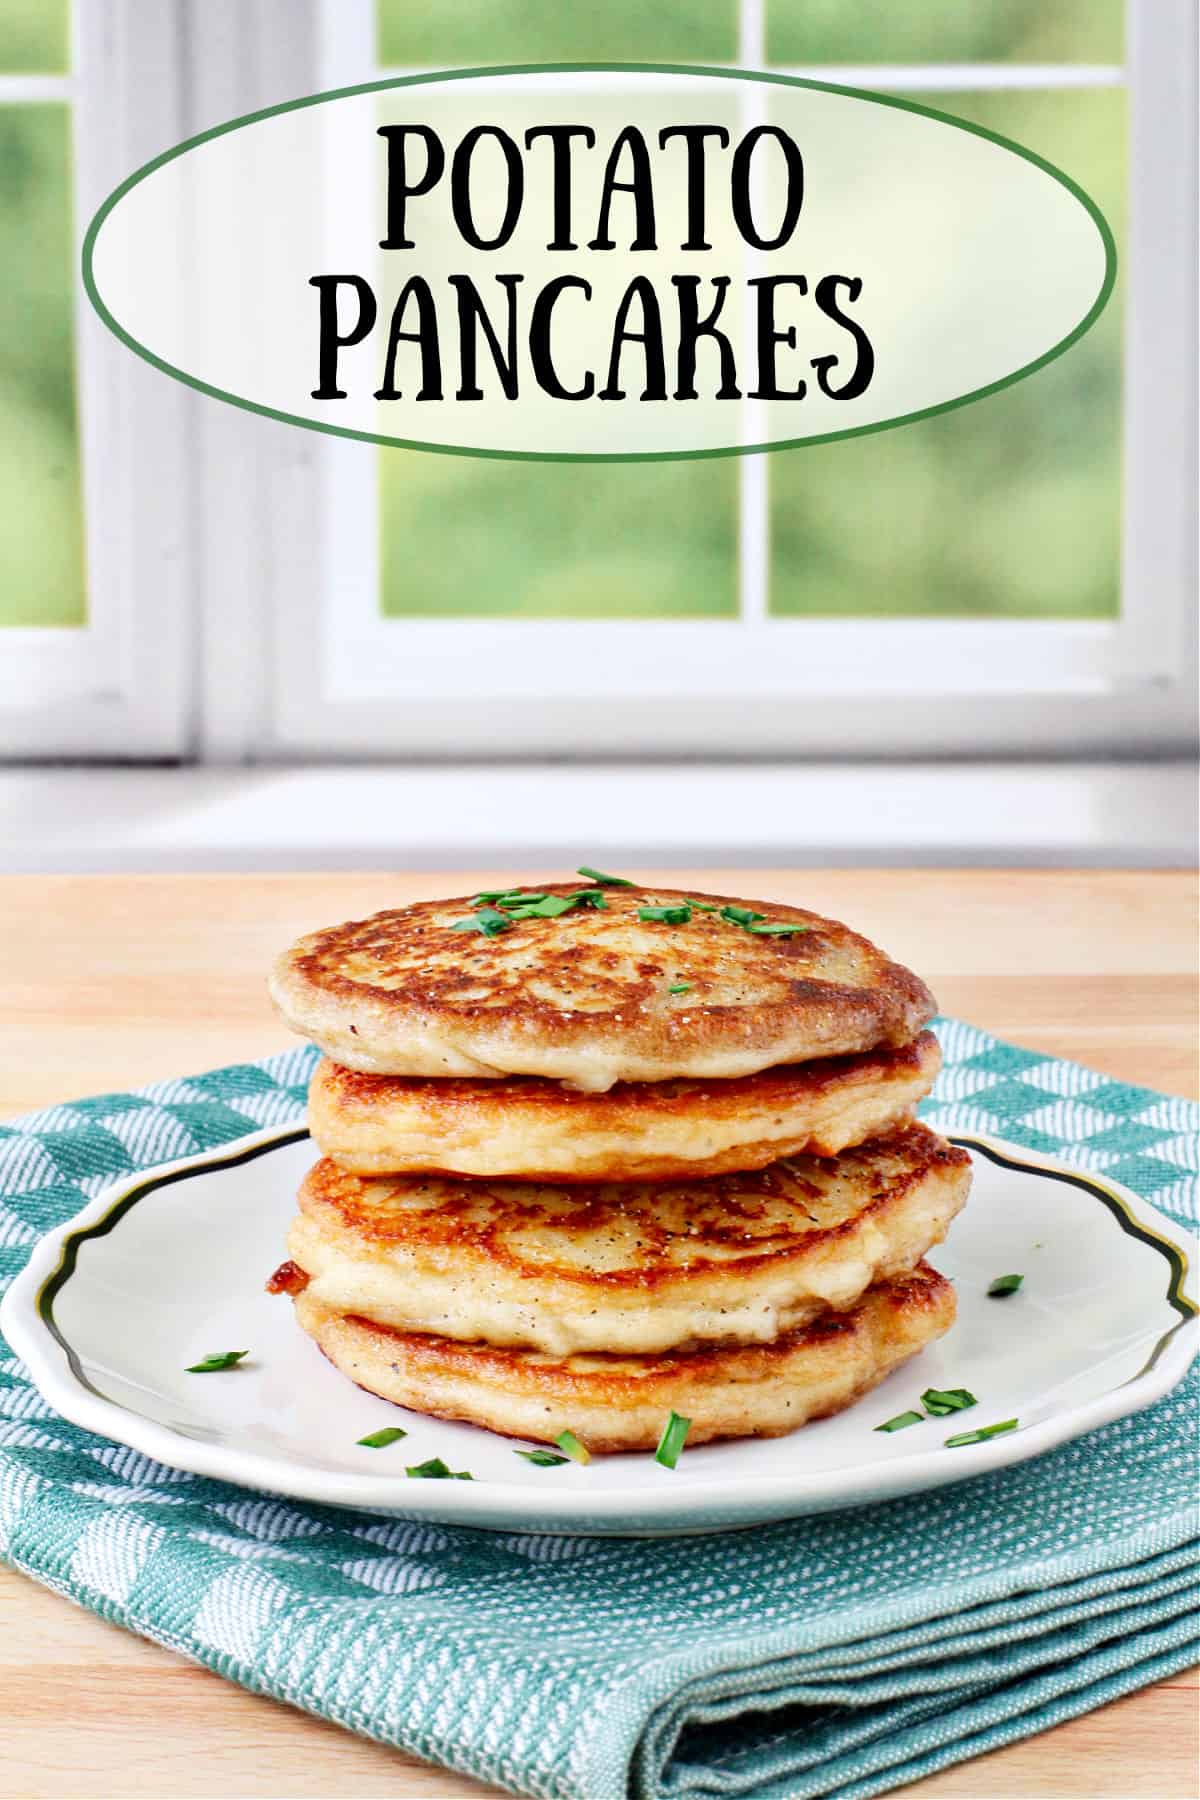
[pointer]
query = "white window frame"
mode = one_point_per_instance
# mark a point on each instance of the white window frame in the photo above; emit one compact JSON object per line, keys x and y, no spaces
{"x":348,"y":682}
{"x":232,"y":557}
{"x":116,"y":686}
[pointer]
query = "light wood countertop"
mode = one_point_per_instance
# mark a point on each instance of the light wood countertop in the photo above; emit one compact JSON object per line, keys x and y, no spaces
{"x":110,"y":982}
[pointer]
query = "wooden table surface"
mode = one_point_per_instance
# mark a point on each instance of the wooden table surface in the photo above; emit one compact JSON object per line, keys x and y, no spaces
{"x":109,"y":982}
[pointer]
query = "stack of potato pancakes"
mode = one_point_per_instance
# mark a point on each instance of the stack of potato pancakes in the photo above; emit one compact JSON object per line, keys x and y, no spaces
{"x":597,"y":1155}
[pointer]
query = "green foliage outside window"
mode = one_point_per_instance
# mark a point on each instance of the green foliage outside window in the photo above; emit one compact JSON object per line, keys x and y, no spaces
{"x":41,"y":512}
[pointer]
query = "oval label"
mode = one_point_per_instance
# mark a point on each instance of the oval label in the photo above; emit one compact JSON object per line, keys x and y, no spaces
{"x":603,"y":263}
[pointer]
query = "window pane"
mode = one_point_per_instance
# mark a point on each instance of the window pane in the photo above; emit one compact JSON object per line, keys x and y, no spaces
{"x":475,"y":537}
{"x":467,"y":537}
{"x":942,"y":31}
{"x":41,"y":516}
{"x":1008,"y":507}
{"x":35,"y":37}
{"x":467,"y":32}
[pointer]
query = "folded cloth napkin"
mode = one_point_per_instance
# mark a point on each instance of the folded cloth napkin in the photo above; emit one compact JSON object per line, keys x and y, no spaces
{"x":841,"y":1655}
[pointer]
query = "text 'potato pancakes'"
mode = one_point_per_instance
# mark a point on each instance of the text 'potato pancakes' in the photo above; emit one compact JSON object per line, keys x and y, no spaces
{"x":615,"y":1165}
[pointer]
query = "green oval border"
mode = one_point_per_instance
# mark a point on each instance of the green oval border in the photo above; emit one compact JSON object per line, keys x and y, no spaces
{"x":588,"y":68}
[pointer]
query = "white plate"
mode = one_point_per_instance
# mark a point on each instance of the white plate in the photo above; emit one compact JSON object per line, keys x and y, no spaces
{"x":168,"y":1265}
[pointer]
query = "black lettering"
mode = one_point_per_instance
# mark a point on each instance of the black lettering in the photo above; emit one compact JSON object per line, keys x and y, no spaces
{"x":740,"y":187}
{"x":399,"y":188}
{"x":331,"y":340}
{"x":768,"y":382}
{"x":560,"y":139}
{"x":694,"y":136}
{"x":426,"y":336}
{"x":864,"y":367}
{"x":545,"y":374}
{"x":692,"y":328}
{"x":641,"y":187}
{"x":471,"y":315}
{"x":650,"y":338}
{"x":460,"y":187}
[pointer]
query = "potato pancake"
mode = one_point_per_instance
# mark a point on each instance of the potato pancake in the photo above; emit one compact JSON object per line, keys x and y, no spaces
{"x":523,"y":1125}
{"x":626,"y":1267}
{"x":594,"y":986}
{"x":622,"y":1402}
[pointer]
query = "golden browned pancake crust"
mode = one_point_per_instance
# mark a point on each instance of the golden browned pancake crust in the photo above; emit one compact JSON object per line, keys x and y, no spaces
{"x":626,"y":1267}
{"x":638,"y":1131}
{"x":622,"y":1402}
{"x":586,"y":997}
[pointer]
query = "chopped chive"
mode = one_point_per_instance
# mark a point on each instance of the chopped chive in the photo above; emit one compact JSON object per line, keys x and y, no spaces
{"x":541,"y":1459}
{"x":680,"y":987}
{"x":756,"y":922}
{"x":670,"y":1444}
{"x":224,"y":1359}
{"x":704,"y":905}
{"x":506,"y":901}
{"x":940,"y":1401}
{"x":550,"y":906}
{"x":498,"y":894}
{"x":1004,"y":1285}
{"x":491,"y":922}
{"x":679,"y":914}
{"x":601,"y":878}
{"x":487,"y":920}
{"x":379,"y":1440}
{"x":900,"y":1421}
{"x":741,"y":915}
{"x":981,"y":1435}
{"x":570,"y":1445}
{"x":436,"y":1470}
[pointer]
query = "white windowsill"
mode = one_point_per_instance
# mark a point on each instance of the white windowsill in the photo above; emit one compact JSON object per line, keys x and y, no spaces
{"x":125,"y":819}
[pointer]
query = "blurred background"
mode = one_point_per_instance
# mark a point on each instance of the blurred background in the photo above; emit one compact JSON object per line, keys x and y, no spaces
{"x":224,"y":642}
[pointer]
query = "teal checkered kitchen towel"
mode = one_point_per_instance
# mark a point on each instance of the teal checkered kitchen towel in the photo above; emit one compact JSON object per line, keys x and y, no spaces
{"x":839,"y":1656}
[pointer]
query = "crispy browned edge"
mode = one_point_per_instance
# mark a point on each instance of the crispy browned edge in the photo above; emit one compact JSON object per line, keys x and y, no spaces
{"x":785,"y":1085}
{"x":922,"y":1293}
{"x":923,"y":1288}
{"x":328,"y":1187}
{"x":339,"y":1096}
